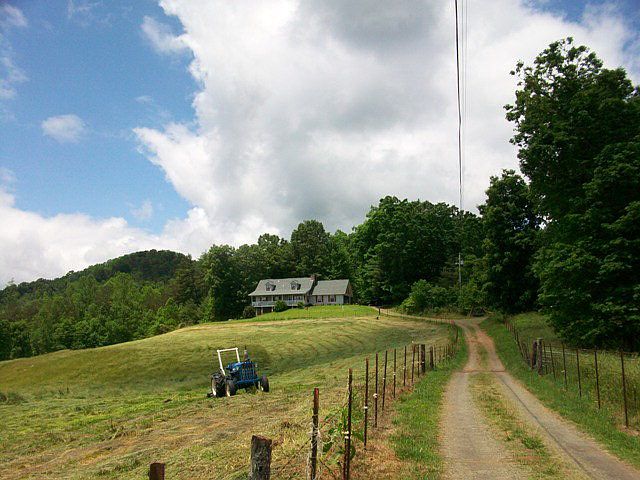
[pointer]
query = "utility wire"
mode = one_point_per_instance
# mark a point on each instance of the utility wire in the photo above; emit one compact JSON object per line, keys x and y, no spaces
{"x":459,"y":139}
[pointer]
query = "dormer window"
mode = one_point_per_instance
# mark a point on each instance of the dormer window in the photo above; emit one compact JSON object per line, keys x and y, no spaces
{"x":270,"y":287}
{"x":295,"y":285}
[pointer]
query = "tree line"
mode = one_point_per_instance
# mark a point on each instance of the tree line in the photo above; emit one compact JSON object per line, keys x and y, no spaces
{"x":562,"y":237}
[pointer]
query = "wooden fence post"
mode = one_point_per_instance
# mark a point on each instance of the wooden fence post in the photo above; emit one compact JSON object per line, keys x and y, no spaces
{"x":375,"y":397}
{"x":579,"y":379}
{"x":624,"y":391}
{"x":394,"y":373}
{"x":366,"y":399}
{"x":595,"y":359}
{"x":404,"y":370}
{"x":260,"y":468}
{"x":413,"y":360}
{"x":431,"y":363}
{"x":553,"y":364}
{"x":347,"y":436}
{"x":423,"y":354}
{"x":156,"y":471}
{"x":384,"y":379}
{"x":313,"y":464}
{"x":564,"y":366}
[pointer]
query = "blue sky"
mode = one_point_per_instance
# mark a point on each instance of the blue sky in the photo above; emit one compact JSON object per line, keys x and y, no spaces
{"x":133,"y":125}
{"x":99,"y":66}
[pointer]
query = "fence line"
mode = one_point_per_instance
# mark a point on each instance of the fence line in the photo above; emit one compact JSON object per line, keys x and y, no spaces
{"x":607,"y":380}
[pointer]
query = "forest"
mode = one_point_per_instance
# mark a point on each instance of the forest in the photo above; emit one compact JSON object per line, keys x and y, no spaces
{"x":562,"y":237}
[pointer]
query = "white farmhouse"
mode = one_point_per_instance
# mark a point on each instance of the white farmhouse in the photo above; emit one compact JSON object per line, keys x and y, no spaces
{"x":305,"y":290}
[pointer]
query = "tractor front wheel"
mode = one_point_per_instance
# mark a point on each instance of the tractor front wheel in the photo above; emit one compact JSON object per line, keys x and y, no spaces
{"x":217,"y":388}
{"x":264,"y":383}
{"x":231,"y":388}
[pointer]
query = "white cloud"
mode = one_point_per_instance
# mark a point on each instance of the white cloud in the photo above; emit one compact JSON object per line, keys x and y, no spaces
{"x":315,"y":110}
{"x":161,"y":37}
{"x":318,"y":109}
{"x":34,"y":246}
{"x":10,"y":73}
{"x":143,"y":212}
{"x":7,"y":177}
{"x":64,"y":128}
{"x":12,"y":16}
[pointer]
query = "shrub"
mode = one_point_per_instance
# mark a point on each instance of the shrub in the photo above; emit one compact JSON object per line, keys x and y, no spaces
{"x":248,"y":312}
{"x":300,"y":305}
{"x":425,"y":296}
{"x":280,"y":306}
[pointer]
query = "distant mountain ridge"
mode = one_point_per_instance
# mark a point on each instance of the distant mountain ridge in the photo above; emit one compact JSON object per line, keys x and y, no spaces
{"x":143,"y":266}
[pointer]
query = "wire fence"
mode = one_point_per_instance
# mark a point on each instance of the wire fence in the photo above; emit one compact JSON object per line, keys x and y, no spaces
{"x":340,"y":432}
{"x":606,"y":380}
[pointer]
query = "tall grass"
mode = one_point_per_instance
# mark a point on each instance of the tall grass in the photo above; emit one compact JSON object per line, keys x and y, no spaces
{"x":582,"y":383}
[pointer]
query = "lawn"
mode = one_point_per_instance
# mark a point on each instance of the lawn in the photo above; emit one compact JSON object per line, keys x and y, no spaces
{"x":605,"y":424}
{"x":320,"y":311}
{"x":109,"y":412}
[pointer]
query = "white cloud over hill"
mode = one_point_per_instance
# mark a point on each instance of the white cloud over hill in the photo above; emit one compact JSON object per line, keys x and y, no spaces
{"x":316,"y":109}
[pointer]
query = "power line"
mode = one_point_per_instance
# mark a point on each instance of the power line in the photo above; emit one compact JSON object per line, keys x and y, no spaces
{"x":460,"y":101}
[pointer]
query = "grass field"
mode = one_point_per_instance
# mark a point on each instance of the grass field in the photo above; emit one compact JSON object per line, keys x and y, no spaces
{"x":109,"y":412}
{"x":605,"y":424}
{"x":327,"y":311}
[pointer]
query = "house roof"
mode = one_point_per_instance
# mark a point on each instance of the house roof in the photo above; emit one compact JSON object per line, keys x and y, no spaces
{"x":283,"y":286}
{"x":331,"y":287}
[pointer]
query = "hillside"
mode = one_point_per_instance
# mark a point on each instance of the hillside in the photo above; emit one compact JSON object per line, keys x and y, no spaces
{"x":112,"y":410}
{"x":146,"y":266}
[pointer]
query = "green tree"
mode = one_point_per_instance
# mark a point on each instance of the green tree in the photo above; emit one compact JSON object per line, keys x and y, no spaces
{"x":223,"y":282}
{"x":578,"y":133}
{"x":568,"y":108}
{"x":6,"y":342}
{"x":311,"y":246}
{"x":511,"y":226}
{"x":188,"y":282}
{"x":399,"y":243}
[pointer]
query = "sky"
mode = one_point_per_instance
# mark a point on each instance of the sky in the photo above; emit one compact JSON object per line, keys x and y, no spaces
{"x":178,"y":124}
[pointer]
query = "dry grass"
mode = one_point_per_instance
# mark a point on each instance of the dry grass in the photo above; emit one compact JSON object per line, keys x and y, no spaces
{"x":109,"y":412}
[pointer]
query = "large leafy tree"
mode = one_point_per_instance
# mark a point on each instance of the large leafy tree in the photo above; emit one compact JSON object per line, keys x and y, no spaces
{"x":511,"y":226}
{"x":311,"y":246}
{"x":223,"y":282}
{"x":568,"y":108}
{"x":578,"y":133}
{"x":400,"y":243}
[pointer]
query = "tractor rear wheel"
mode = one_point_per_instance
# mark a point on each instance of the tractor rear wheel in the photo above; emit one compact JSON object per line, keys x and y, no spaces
{"x":264,"y":383}
{"x":231,"y":388}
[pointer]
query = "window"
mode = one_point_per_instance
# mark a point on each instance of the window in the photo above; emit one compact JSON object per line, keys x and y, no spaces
{"x":295,"y":285}
{"x":270,"y":287}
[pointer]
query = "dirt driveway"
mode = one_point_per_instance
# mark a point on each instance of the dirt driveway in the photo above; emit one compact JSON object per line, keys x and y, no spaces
{"x":472,"y":452}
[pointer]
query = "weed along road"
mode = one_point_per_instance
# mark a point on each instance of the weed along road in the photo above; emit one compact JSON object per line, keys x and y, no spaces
{"x":492,"y":427}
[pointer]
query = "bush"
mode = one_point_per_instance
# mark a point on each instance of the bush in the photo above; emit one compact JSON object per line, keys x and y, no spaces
{"x":280,"y":306}
{"x":425,"y":297}
{"x":248,"y":312}
{"x":300,"y":305}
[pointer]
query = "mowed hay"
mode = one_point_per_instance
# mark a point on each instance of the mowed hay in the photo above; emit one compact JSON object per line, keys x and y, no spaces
{"x":109,"y":412}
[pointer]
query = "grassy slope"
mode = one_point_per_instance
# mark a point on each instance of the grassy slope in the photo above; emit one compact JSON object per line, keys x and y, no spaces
{"x":418,"y":417}
{"x":603,"y":425}
{"x":110,"y":411}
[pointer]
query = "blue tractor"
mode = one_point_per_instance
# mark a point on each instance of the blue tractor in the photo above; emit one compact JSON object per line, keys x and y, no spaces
{"x":239,"y":374}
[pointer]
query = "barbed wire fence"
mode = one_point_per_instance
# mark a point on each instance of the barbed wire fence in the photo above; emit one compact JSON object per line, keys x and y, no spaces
{"x":605,"y":379}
